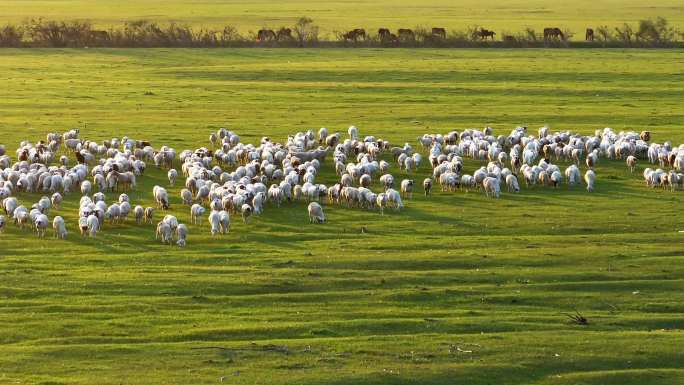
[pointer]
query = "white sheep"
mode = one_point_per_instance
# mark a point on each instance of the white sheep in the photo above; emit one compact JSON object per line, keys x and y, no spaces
{"x":631,"y":163}
{"x":427,"y":186}
{"x":215,"y":222}
{"x":196,"y":213}
{"x":149,"y":215}
{"x":556,"y":178}
{"x":56,"y":200}
{"x":139,"y":213}
{"x":224,"y":220}
{"x":246,"y":211}
{"x":164,"y":232}
{"x":172,"y":221}
{"x":86,"y":187}
{"x":387,"y":181}
{"x":589,"y":179}
{"x":491,"y":187}
{"x":83,"y":225}
{"x":172,"y":175}
{"x":512,"y":183}
{"x":353,"y":132}
{"x":182,"y":234}
{"x":93,"y":225}
{"x":258,"y":202}
{"x":572,"y":174}
{"x":316,"y":213}
{"x":59,"y":227}
{"x":407,"y":188}
{"x":2,"y":223}
{"x":161,"y":196}
{"x":186,"y":196}
{"x":394,"y":199}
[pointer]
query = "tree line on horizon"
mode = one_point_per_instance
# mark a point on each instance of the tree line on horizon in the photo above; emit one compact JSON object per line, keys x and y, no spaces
{"x":44,"y":33}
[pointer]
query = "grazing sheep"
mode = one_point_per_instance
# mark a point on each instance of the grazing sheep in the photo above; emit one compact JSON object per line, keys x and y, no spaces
{"x":60,"y":227}
{"x":93,"y":225}
{"x":631,"y":163}
{"x":196,"y":213}
{"x":224,"y":221}
{"x":182,"y":234}
{"x":491,"y":187}
{"x":113,"y":213}
{"x":215,"y":222}
{"x":387,"y":181}
{"x":246,"y":211}
{"x":149,"y":215}
{"x":589,"y":179}
{"x":172,"y":175}
{"x":186,"y":196}
{"x":572,"y":174}
{"x":258,"y":202}
{"x":407,"y":188}
{"x":556,"y":178}
{"x":394,"y":199}
{"x":427,"y":186}
{"x":353,"y":132}
{"x":316,"y":213}
{"x":86,"y":187}
{"x":365,"y":180}
{"x":164,"y":232}
{"x":56,"y":200}
{"x":139,"y":213}
{"x":592,"y":159}
{"x":83,"y":226}
{"x":161,"y":196}
{"x":381,"y":202}
{"x":512,"y":183}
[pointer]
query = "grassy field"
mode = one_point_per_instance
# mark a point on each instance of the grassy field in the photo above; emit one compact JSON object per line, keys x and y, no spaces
{"x":502,"y":16}
{"x":454,"y":289}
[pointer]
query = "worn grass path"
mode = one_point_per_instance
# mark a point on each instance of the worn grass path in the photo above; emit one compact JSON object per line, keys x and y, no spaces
{"x":455,"y":289}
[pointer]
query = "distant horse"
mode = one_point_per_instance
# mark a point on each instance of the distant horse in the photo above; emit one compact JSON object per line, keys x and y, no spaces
{"x":589,"y":35}
{"x":266,"y":35}
{"x":485,"y":33}
{"x":553,"y":34}
{"x":439,"y":32}
{"x":284,"y":34}
{"x":406,"y":34}
{"x":355,"y":34}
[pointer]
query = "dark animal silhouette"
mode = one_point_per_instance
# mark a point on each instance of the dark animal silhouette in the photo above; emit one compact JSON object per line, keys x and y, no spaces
{"x":439,"y":32}
{"x":406,"y":34}
{"x":384,"y":34}
{"x":284,"y":34}
{"x":355,"y":34}
{"x":266,"y":35}
{"x":553,"y":34}
{"x":589,"y":35}
{"x":485,"y":33}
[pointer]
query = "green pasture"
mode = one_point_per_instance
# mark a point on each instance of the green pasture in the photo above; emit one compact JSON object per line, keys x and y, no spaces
{"x":455,"y":289}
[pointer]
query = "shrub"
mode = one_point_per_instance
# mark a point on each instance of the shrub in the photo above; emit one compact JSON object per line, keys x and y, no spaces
{"x":305,"y":31}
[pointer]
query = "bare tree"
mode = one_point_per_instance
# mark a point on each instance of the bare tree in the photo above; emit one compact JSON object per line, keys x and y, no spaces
{"x":305,"y":31}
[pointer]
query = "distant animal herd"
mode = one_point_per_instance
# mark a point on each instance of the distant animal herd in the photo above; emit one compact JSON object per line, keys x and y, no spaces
{"x":385,"y":35}
{"x":230,"y":177}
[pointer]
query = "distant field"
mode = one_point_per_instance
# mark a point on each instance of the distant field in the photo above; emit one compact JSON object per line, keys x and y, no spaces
{"x":502,"y":16}
{"x":457,"y":288}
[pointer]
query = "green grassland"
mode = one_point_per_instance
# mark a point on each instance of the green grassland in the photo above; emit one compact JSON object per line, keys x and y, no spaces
{"x":503,"y":16}
{"x":454,"y":289}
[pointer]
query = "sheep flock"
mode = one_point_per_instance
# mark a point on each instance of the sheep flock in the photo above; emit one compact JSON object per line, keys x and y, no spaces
{"x":230,"y":178}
